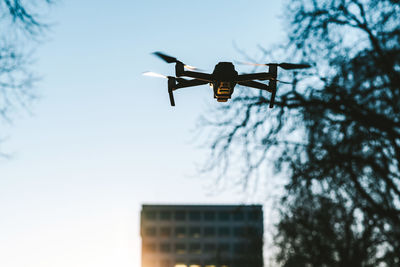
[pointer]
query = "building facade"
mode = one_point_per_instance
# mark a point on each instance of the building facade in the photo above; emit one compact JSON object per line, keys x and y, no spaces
{"x":202,"y":235}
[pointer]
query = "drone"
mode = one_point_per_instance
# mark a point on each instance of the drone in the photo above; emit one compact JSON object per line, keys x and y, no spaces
{"x":223,"y":79}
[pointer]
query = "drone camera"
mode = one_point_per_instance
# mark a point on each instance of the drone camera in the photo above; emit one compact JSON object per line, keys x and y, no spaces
{"x":224,"y":91}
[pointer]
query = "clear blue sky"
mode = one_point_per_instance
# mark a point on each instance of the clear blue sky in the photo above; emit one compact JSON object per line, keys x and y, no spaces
{"x":103,"y":139}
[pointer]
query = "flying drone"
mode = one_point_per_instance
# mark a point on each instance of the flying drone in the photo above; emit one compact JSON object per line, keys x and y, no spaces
{"x":223,"y":79}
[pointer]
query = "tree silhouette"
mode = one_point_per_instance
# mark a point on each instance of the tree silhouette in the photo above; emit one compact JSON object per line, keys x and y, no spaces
{"x":315,"y":230}
{"x":21,"y":27}
{"x":336,"y":130}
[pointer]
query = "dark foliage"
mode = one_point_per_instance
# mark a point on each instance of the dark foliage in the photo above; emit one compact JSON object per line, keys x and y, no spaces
{"x":336,"y":131}
{"x":316,"y":231}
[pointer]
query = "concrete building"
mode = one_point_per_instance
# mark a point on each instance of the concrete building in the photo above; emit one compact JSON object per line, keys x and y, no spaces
{"x":202,"y":235}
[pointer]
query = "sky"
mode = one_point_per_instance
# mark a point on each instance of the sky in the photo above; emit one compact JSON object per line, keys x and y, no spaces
{"x":102,"y":139}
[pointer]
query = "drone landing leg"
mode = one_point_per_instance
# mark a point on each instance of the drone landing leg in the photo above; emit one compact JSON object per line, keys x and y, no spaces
{"x":273,"y":70}
{"x":178,"y":83}
{"x":171,"y":88}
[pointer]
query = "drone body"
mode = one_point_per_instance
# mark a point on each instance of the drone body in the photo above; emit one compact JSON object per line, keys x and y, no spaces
{"x":224,"y":73}
{"x":223,"y":79}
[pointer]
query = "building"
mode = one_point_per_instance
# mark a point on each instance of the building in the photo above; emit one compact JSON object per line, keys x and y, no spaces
{"x":202,"y":235}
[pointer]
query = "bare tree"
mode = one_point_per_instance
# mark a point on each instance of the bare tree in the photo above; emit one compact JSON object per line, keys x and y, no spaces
{"x":336,"y":130}
{"x":21,"y":27}
{"x":316,"y":230}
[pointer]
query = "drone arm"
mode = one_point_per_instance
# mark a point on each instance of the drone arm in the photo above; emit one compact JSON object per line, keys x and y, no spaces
{"x":177,"y":83}
{"x":180,"y":71}
{"x":182,"y":83}
{"x":254,"y":76}
{"x":271,"y":76}
{"x":197,"y":75}
{"x":257,"y":85}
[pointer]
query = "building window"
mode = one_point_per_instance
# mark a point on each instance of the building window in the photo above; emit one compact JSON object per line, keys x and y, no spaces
{"x":165,"y":247}
{"x":165,"y":215}
{"x":195,"y":216}
{"x":195,"y":248}
{"x":150,"y":215}
{"x":252,"y":231}
{"x":165,"y":231}
{"x":223,"y":247}
{"x":238,"y":216}
{"x":150,"y":247}
{"x":180,"y":215}
{"x":209,"y":215}
{"x":239,"y":248}
{"x":209,"y":247}
{"x":180,"y":248}
{"x":239,"y":231}
{"x":254,"y":215}
{"x":180,"y":232}
{"x":223,"y":216}
{"x":150,"y":231}
{"x":195,"y":232}
{"x":209,"y":231}
{"x":224,"y":231}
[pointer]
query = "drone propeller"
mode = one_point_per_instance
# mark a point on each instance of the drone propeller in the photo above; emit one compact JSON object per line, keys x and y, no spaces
{"x":166,"y":58}
{"x":170,"y":59}
{"x":158,"y":75}
{"x":286,"y":66}
{"x":154,"y":74}
{"x":171,"y":83}
{"x":291,"y":66}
